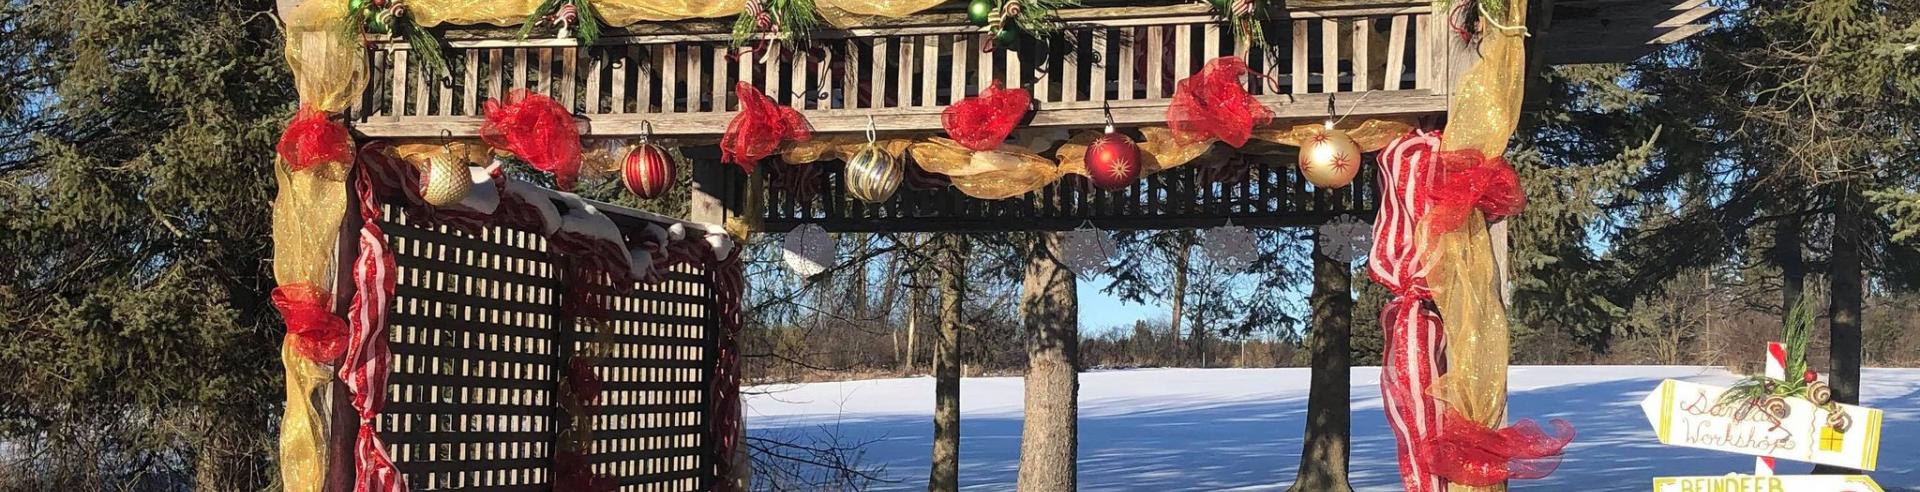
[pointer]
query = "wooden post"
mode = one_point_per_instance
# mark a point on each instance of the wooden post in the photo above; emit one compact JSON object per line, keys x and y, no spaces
{"x":715,"y":197}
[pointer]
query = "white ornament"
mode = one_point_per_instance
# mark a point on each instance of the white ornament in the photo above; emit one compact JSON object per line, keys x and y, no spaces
{"x":1231,"y":247}
{"x":721,"y":243}
{"x":1085,"y":251}
{"x":1345,"y":238}
{"x":808,"y":250}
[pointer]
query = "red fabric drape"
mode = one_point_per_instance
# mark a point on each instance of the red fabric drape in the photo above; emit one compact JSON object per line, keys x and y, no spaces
{"x":536,"y":129}
{"x":313,"y":139}
{"x":1415,"y":351}
{"x":1214,"y":103}
{"x":983,"y":121}
{"x":757,"y":131}
{"x":368,"y":359}
{"x":316,"y":332}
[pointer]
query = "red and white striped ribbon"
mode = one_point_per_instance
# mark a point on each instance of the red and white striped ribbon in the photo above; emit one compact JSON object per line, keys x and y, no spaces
{"x":368,"y":359}
{"x":1415,"y":347}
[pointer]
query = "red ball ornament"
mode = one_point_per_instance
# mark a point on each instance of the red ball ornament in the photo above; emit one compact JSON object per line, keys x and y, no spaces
{"x":1113,"y":161}
{"x":648,"y":171}
{"x":1809,"y":376}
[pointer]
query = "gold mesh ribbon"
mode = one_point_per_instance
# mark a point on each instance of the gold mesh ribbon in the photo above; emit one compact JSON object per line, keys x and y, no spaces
{"x":1371,"y":135}
{"x":329,"y":72}
{"x":1005,"y":172}
{"x":628,"y":12}
{"x":1485,"y":109}
{"x":502,"y":13}
{"x":304,"y":426}
{"x":329,"y":64}
{"x":849,"y":13}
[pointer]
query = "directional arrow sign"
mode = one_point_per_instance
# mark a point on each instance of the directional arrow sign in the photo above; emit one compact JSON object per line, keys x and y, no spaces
{"x":1684,"y":414}
{"x":1776,"y":483}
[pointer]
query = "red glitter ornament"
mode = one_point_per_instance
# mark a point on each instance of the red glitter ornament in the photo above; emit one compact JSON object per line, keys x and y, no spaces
{"x":1113,"y":161}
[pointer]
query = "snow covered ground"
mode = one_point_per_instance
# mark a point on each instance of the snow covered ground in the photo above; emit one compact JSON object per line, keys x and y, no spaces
{"x":1240,"y":429}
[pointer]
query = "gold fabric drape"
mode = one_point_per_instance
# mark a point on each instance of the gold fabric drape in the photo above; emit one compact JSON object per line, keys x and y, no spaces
{"x":503,"y":13}
{"x":849,"y":13}
{"x":628,"y":12}
{"x":328,"y":65}
{"x":304,"y":426}
{"x":1485,"y":108}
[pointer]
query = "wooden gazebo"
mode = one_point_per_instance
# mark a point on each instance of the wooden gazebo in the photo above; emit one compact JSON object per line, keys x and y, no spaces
{"x":480,"y":340}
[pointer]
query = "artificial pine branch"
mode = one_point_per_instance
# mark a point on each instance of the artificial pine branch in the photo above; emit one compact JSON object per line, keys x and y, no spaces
{"x":533,"y":18}
{"x":588,"y":32}
{"x":791,"y":21}
{"x":1041,"y":18}
{"x":424,"y":44}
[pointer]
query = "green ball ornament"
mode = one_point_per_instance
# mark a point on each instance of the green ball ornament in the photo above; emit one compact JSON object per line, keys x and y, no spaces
{"x":980,"y":11}
{"x":356,"y":5}
{"x":375,"y":26}
{"x":1008,"y":38}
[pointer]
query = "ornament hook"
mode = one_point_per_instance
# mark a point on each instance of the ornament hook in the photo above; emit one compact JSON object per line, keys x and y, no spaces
{"x":1331,"y":110}
{"x":1107,"y":111}
{"x":646,"y":131}
{"x":872,"y":132}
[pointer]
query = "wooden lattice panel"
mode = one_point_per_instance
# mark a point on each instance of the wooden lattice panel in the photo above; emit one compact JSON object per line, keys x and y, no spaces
{"x":652,"y":429}
{"x":480,"y":343}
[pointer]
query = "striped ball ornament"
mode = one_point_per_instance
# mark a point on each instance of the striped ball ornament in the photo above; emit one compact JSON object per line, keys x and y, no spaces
{"x":648,"y":171}
{"x":873,"y":175}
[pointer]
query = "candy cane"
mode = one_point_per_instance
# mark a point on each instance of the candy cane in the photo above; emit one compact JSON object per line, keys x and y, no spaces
{"x":1776,"y":369}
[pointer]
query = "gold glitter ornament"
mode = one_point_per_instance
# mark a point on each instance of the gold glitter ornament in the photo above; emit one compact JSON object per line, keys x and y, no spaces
{"x":445,"y":181}
{"x":1329,"y":158}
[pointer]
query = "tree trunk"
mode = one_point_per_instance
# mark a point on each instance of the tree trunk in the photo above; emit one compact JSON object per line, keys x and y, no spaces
{"x":1843,"y":309}
{"x":945,"y":475}
{"x":1181,"y":258}
{"x":1049,"y":439}
{"x":1846,"y":286}
{"x":913,"y":325}
{"x":1323,"y":456}
{"x":1793,"y":268}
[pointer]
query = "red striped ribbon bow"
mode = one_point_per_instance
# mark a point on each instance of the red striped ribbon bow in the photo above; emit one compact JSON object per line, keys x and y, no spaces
{"x":1415,"y":348}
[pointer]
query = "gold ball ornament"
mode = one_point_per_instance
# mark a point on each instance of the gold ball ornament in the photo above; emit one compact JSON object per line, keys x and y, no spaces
{"x":873,"y":175}
{"x":1329,"y":158}
{"x":445,"y":181}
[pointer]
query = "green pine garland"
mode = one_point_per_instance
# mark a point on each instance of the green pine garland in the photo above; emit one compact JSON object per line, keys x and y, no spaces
{"x":1796,"y":336}
{"x":586,"y":28}
{"x":791,"y":21}
{"x":1041,"y":18}
{"x":364,"y":18}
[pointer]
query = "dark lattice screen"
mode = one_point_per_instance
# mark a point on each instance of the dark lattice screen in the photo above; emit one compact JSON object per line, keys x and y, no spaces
{"x":479,"y":344}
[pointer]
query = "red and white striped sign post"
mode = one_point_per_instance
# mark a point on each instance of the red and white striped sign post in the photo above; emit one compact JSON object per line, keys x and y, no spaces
{"x":1777,"y":369}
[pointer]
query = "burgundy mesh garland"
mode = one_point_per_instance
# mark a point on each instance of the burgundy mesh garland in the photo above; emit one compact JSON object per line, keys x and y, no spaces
{"x":760,"y":127}
{"x":536,"y":129}
{"x":1215,"y":104}
{"x":983,"y":121}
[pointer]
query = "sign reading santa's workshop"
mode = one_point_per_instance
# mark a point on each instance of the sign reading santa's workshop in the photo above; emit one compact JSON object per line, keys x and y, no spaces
{"x":1694,"y":415}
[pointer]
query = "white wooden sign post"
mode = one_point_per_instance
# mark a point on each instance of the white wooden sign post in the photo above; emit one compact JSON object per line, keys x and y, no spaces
{"x":1687,"y":414}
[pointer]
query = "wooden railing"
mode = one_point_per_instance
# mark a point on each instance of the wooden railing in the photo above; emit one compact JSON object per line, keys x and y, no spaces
{"x":679,"y":78}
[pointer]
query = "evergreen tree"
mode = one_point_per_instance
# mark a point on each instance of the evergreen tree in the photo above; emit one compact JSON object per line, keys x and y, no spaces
{"x":135,"y":145}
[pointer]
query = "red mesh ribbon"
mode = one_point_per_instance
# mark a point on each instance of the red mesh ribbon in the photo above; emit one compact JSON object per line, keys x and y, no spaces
{"x":573,"y":473}
{"x":313,"y":139}
{"x":982,"y":122}
{"x":1215,"y":104}
{"x":538,"y":130}
{"x":760,"y":127}
{"x":1469,"y":181}
{"x":1469,"y":453}
{"x":316,"y":333}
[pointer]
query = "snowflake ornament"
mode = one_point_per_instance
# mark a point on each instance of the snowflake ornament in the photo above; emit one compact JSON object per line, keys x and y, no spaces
{"x":1231,"y":246}
{"x":808,"y":250}
{"x":1086,"y":251}
{"x":1345,"y":238}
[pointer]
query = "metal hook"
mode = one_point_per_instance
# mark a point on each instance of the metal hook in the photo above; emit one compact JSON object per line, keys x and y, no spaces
{"x":1331,"y":110}
{"x":448,"y":145}
{"x":872,"y":132}
{"x":1107,"y":110}
{"x":646,"y":131}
